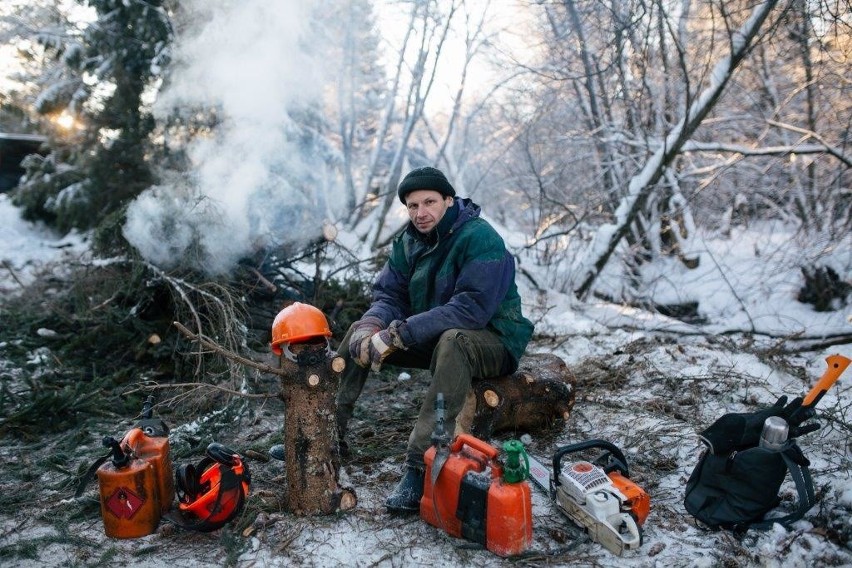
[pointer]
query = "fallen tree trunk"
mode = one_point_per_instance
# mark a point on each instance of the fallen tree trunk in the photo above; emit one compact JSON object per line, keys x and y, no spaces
{"x":311,"y":447}
{"x":539,"y":395}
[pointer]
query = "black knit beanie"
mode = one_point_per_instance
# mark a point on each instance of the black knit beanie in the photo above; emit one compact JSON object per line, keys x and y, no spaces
{"x":425,"y":178}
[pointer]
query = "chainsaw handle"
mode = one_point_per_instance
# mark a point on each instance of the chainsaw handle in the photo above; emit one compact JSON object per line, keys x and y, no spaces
{"x":484,"y":448}
{"x":571,"y":448}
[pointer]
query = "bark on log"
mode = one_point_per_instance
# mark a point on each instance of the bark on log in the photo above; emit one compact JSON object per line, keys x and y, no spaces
{"x":539,"y":395}
{"x":311,"y":447}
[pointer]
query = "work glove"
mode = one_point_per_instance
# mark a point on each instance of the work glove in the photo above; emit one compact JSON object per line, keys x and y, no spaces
{"x":742,"y":430}
{"x":383,"y":343}
{"x":359,"y":341}
{"x":794,"y":413}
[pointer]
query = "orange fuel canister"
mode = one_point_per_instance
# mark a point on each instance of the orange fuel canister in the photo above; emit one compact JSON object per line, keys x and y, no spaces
{"x":154,"y":449}
{"x":477,"y":497}
{"x":137,"y":483}
{"x":439,"y":503}
{"x":130,"y":503}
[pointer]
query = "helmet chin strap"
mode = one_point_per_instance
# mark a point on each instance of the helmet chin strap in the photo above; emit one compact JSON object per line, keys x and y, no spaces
{"x":305,"y":357}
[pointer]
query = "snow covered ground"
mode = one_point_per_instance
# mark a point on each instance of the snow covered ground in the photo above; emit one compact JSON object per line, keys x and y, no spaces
{"x":25,"y":247}
{"x":645,"y":382}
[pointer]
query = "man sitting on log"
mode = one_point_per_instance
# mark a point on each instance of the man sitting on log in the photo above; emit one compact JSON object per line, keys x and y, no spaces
{"x":445,"y":301}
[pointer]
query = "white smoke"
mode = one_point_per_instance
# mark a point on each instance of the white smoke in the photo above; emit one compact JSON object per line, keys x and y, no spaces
{"x":254,"y":182}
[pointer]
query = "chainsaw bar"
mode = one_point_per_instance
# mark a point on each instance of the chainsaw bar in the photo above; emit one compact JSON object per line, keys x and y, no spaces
{"x":540,"y":475}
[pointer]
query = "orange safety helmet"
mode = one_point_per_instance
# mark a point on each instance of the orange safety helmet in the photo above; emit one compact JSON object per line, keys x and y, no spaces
{"x":213,"y":492}
{"x":298,"y":323}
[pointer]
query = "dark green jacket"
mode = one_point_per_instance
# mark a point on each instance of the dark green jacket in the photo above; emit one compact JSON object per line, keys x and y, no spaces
{"x":460,"y":276}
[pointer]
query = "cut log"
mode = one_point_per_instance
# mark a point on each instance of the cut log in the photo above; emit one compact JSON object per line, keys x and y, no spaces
{"x":311,"y":446}
{"x":538,"y":396}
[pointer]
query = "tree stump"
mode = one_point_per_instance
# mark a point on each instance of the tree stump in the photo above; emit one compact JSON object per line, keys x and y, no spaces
{"x":539,"y":395}
{"x":311,"y":446}
{"x":823,"y":288}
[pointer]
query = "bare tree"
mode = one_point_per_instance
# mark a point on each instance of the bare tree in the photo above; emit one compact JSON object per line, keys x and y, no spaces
{"x":431,"y":27}
{"x":642,"y":184}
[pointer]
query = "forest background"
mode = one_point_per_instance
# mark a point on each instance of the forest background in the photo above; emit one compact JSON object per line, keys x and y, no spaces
{"x":218,"y":160}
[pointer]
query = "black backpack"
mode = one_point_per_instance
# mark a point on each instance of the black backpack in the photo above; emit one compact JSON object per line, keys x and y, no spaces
{"x":736,"y":481}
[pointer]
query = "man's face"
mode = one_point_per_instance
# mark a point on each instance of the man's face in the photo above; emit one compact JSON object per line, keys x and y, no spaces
{"x":426,"y":207}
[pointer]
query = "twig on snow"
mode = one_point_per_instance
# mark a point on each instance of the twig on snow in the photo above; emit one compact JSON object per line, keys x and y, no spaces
{"x":203,"y":385}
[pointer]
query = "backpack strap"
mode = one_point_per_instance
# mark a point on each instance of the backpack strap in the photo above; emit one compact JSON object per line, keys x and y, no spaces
{"x":797,"y":464}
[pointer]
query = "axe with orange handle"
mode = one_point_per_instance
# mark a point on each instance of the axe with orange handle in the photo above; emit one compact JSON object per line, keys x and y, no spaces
{"x":836,"y":365}
{"x":740,"y":430}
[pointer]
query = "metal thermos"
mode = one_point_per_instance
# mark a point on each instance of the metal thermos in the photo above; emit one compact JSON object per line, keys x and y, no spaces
{"x":775,"y":430}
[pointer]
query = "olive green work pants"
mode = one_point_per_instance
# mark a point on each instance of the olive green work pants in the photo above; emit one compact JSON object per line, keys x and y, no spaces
{"x":455,"y":360}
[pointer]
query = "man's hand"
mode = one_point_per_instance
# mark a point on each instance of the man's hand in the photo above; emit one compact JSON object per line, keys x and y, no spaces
{"x":359,"y":341}
{"x":383,"y":343}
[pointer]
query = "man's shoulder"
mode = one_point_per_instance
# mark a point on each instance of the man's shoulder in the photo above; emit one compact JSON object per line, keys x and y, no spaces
{"x":478,"y":227}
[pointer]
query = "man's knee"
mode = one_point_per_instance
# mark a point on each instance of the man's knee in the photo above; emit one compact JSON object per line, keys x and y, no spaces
{"x":480,"y":351}
{"x":452,"y":340}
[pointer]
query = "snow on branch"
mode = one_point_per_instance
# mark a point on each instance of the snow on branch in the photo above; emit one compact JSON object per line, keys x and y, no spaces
{"x":836,"y":152}
{"x":723,"y":147}
{"x":642,"y":184}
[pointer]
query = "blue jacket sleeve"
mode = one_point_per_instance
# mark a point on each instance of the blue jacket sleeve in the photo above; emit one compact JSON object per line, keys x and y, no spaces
{"x":481,"y":285}
{"x":390,"y":296}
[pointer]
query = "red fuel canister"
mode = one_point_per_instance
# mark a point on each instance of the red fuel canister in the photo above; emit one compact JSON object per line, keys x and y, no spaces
{"x":471,"y":498}
{"x":137,"y":484}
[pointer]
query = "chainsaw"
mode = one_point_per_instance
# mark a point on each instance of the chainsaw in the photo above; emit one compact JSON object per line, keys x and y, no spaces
{"x":600,"y":499}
